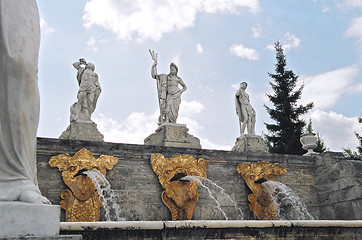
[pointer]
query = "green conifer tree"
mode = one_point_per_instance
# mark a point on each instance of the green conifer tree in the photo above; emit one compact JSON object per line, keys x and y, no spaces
{"x":284,"y":135}
{"x":352,"y":154}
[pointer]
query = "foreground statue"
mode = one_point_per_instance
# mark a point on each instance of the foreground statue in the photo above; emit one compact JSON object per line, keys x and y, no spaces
{"x":244,"y":110}
{"x":169,"y":94}
{"x":19,"y":104}
{"x":89,"y":91}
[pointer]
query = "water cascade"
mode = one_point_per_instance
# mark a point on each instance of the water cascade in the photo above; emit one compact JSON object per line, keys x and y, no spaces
{"x":222,"y":191}
{"x":106,"y":195}
{"x":287,"y":204}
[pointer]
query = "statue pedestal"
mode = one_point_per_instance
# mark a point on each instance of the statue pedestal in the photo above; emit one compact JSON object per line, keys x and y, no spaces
{"x":19,"y":220}
{"x":86,"y":131}
{"x":250,"y":143}
{"x":24,"y":219}
{"x":173,"y":135}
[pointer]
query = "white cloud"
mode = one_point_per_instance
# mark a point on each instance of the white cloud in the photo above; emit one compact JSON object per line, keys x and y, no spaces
{"x":291,"y":41}
{"x":355,"y":28}
{"x":132,"y":130}
{"x":235,"y":86}
{"x":244,"y":52}
{"x":199,"y":48}
{"x":141,"y":20}
{"x":337,"y":130}
{"x":45,"y":28}
{"x":325,"y":9}
{"x":92,"y":44}
{"x":352,"y":3}
{"x":256,"y":31}
{"x":205,"y":88}
{"x":207,"y":144}
{"x":139,"y":125}
{"x":326,"y":88}
{"x":190,"y":108}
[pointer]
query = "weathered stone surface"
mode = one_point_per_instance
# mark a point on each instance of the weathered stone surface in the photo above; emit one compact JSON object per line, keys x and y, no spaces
{"x":197,"y":230}
{"x":86,"y":131}
{"x":173,"y":135}
{"x":250,"y":143}
{"x":338,"y":186}
{"x":18,"y":219}
{"x":138,"y":190}
{"x":59,"y":237}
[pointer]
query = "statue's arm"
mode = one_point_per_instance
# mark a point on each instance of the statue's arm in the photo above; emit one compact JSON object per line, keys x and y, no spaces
{"x":76,"y":65}
{"x":81,"y":61}
{"x":97,"y":83}
{"x":154,"y":71}
{"x":183,"y":85}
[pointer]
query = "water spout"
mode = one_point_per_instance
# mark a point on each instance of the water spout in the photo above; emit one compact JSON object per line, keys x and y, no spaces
{"x":287,"y":204}
{"x":106,"y":195}
{"x":222,"y":190}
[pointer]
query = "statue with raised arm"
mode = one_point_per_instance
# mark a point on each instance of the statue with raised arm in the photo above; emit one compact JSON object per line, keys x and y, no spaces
{"x":19,"y":104}
{"x":89,"y":91}
{"x":244,"y":110}
{"x":169,"y":94}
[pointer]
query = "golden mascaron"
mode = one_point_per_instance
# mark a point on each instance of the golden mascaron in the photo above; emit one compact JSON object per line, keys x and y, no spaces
{"x":81,"y":202}
{"x":260,"y":202}
{"x":179,"y":196}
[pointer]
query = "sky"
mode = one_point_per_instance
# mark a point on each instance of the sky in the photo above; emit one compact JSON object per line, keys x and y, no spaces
{"x":217,"y":44}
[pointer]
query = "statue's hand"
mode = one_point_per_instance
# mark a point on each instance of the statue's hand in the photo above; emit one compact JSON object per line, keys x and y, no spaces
{"x":154,"y":57}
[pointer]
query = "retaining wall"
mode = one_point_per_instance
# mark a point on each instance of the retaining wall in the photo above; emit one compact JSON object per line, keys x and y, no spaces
{"x":329,"y":185}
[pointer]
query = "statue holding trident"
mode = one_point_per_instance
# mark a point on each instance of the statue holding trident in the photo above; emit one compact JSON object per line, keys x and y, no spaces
{"x":169,"y":94}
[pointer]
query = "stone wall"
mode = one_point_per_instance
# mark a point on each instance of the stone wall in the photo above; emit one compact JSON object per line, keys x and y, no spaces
{"x":338,"y":187}
{"x":139,"y":192}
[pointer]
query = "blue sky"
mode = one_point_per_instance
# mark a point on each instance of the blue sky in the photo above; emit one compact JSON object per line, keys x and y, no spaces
{"x":216,"y":44}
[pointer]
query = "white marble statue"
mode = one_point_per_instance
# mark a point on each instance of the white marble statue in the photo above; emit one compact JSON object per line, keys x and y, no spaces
{"x":88,"y":93}
{"x":169,"y":94}
{"x":19,"y":101}
{"x":244,"y":110}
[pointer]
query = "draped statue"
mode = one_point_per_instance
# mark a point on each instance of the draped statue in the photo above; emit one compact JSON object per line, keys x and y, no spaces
{"x":169,"y":94}
{"x":19,"y":101}
{"x":244,"y":110}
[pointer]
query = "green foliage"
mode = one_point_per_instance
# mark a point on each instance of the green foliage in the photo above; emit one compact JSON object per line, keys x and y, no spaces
{"x":352,"y":154}
{"x":285,"y":133}
{"x":348,"y":153}
{"x":359,"y":148}
{"x":309,"y":126}
{"x":321,"y":147}
{"x":267,"y":142}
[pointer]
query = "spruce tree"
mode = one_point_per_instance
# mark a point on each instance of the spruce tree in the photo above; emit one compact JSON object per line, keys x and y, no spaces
{"x":352,"y":154}
{"x":284,"y":135}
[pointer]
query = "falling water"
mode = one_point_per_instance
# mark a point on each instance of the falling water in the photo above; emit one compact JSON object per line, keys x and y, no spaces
{"x":198,"y":180}
{"x":286,"y":202}
{"x":106,"y":195}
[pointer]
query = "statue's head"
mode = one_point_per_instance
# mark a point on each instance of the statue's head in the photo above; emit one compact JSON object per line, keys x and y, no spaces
{"x":243,"y":85}
{"x":173,"y":67}
{"x":90,"y":66}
